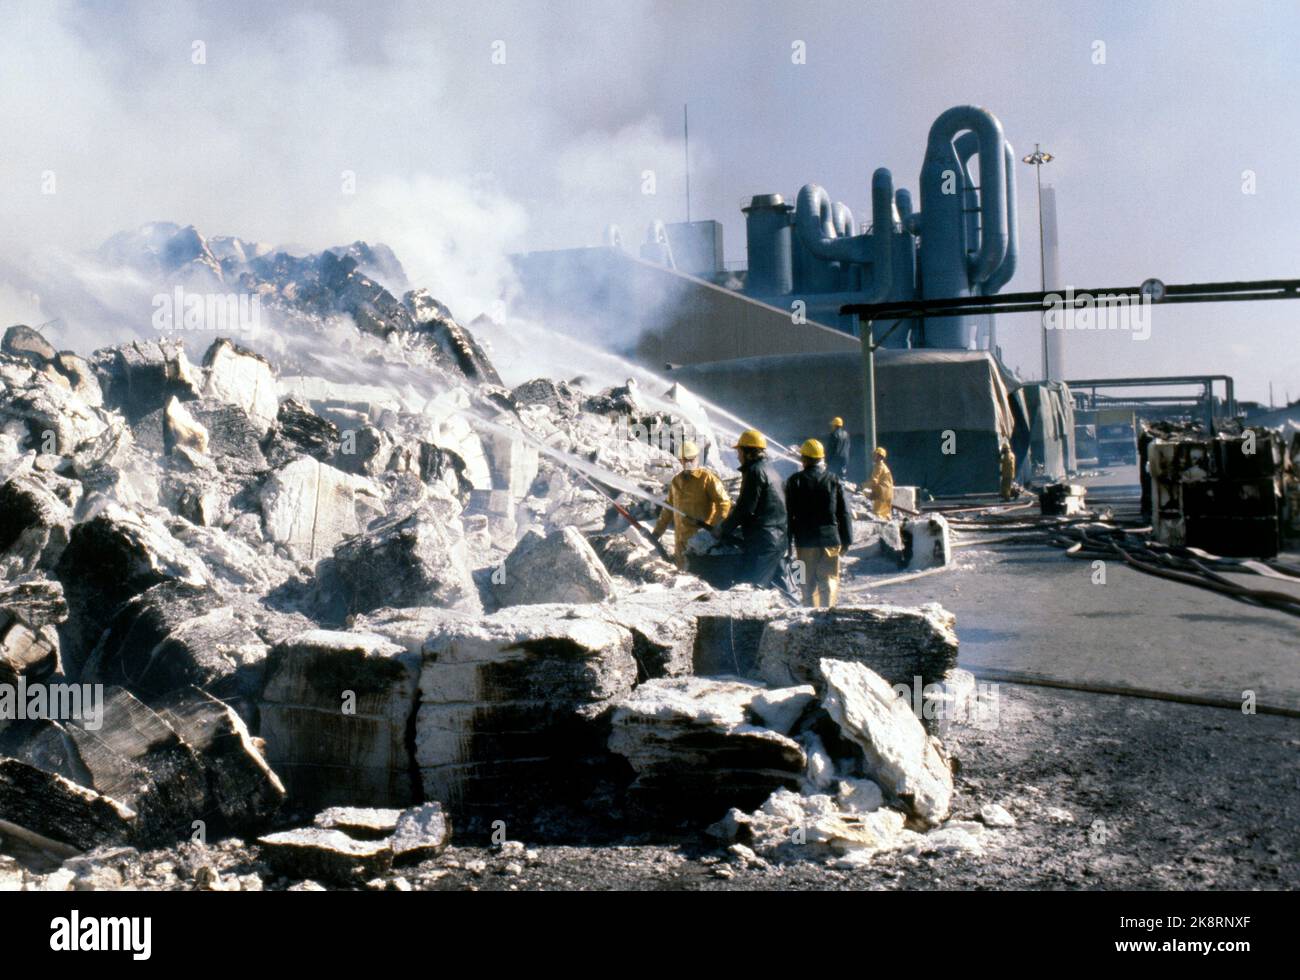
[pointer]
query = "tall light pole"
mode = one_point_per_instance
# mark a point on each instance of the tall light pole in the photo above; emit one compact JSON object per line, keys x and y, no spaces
{"x":1036,"y":160}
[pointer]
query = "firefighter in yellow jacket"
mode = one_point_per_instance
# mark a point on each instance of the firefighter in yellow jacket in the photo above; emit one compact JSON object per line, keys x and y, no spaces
{"x":880,"y":488}
{"x":698,"y":499}
{"x":1007,"y":470}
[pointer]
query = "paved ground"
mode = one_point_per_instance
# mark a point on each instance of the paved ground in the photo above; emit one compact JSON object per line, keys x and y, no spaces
{"x":1029,"y":611}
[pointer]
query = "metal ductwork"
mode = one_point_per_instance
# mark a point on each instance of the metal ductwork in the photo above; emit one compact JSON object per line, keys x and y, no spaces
{"x":948,"y":216}
{"x":825,"y":232}
{"x":768,"y":239}
{"x":963,"y":241}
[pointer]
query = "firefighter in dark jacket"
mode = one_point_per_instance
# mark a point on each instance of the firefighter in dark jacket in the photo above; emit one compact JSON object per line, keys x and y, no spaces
{"x":837,"y":449}
{"x":820,"y":525}
{"x":759,"y":512}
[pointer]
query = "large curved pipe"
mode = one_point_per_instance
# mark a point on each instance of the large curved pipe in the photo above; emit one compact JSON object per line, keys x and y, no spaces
{"x":882,"y":233}
{"x":1008,"y":267}
{"x":814,"y":223}
{"x":941,"y":155}
{"x":967,"y":145}
{"x":842,"y":218}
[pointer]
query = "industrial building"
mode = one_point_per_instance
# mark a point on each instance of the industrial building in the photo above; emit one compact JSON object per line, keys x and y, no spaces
{"x":751,"y":339}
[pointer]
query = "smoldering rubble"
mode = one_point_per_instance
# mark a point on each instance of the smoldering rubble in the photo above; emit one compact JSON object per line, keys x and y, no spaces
{"x":346,"y":595}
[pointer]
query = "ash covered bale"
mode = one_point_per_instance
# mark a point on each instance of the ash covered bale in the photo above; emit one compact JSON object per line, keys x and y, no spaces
{"x":499,"y":508}
{"x":359,"y":823}
{"x":110,"y":558}
{"x":328,"y":855}
{"x":898,"y":643}
{"x":847,"y":827}
{"x":512,"y":707}
{"x":30,"y":611}
{"x":174,"y":636}
{"x":562,"y":398}
{"x":240,"y":377}
{"x":34,"y":525}
{"x":139,"y":377}
{"x":664,"y":637}
{"x":898,"y":754}
{"x":407,"y":627}
{"x":298,"y":431}
{"x":309,"y":507}
{"x":420,"y":833}
{"x":335,"y":713}
{"x":561,"y":567}
{"x":696,"y":750}
{"x":40,"y":409}
{"x":40,"y":808}
{"x":241,"y":788}
{"x":512,"y":462}
{"x":420,"y":559}
{"x":730,"y":628}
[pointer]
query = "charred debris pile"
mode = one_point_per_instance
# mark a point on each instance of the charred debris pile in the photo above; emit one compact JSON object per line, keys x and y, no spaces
{"x":331,"y":607}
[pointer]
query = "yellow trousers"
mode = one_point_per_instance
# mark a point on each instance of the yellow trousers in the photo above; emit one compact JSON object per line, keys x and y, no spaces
{"x":821,"y":575}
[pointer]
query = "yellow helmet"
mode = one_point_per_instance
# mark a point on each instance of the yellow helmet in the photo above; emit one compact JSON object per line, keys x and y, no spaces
{"x":880,"y":451}
{"x":812,"y":449}
{"x":688,"y":450}
{"x":750,"y":439}
{"x":836,"y":422}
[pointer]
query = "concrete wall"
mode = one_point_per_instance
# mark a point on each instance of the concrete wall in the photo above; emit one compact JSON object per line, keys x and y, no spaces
{"x":920,"y":395}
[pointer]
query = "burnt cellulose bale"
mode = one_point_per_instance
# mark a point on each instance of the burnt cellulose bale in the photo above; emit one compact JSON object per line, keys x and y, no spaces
{"x":335,"y":712}
{"x":898,"y":643}
{"x":298,"y":431}
{"x":174,"y":636}
{"x":729,"y":628}
{"x":512,"y":707}
{"x":241,"y":788}
{"x":113,"y":556}
{"x":139,"y":377}
{"x":697,"y":750}
{"x":420,"y":559}
{"x":561,"y":567}
{"x":34,"y":525}
{"x":240,"y":377}
{"x":898,"y":754}
{"x":331,"y":855}
{"x":42,"y":808}
{"x":30,"y":609}
{"x":22,"y":341}
{"x":133,"y":755}
{"x":309,"y":507}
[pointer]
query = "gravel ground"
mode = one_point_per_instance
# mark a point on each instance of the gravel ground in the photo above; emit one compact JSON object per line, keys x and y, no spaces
{"x":1108,"y":792}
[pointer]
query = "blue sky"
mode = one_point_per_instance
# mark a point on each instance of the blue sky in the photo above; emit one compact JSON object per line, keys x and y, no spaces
{"x":460,"y":159}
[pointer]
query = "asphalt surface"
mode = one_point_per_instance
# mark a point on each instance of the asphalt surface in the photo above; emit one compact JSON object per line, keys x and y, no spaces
{"x":1027,"y":611}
